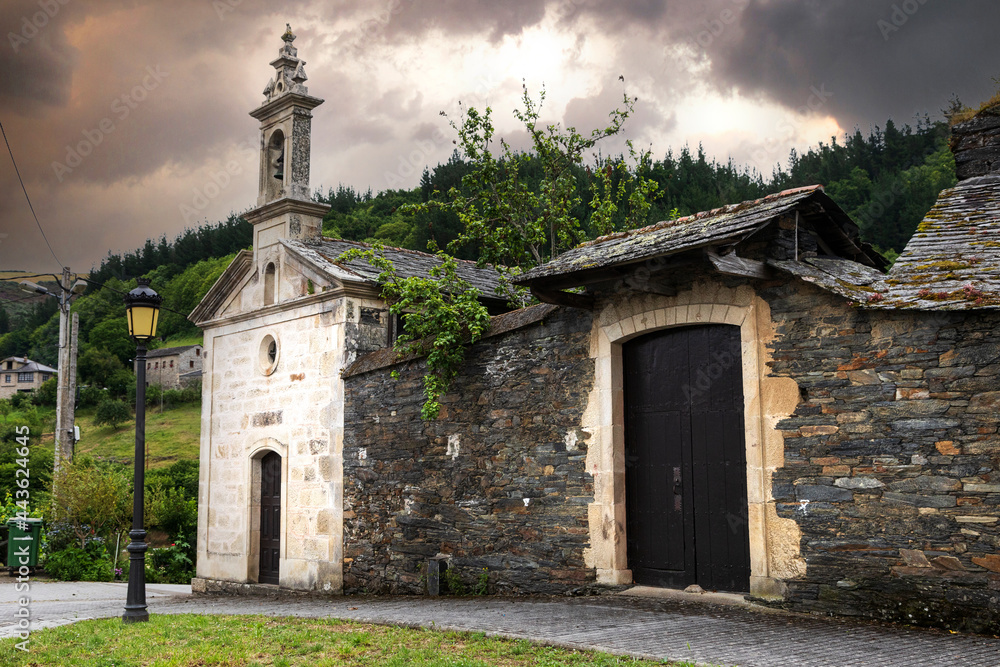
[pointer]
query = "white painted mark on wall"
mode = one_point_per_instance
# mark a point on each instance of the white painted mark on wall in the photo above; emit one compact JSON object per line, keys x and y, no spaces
{"x":571,"y":441}
{"x":362,"y":453}
{"x":452,"y":450}
{"x":804,"y":506}
{"x":527,"y":501}
{"x":376,"y":419}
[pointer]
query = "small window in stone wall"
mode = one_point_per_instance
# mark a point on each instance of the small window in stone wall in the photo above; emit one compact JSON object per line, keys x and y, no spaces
{"x":171,"y":363}
{"x":191,"y":364}
{"x":268,"y":355}
{"x":269,"y":286}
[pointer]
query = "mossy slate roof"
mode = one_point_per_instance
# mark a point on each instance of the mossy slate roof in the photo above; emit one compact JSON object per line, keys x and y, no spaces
{"x":408,"y":263}
{"x":953,"y":260}
{"x":721,"y":225}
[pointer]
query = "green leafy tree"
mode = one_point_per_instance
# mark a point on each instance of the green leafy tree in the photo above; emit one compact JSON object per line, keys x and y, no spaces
{"x":516,"y":223}
{"x":96,"y":366}
{"x":94,"y":500}
{"x":113,"y":413}
{"x":46,"y":393}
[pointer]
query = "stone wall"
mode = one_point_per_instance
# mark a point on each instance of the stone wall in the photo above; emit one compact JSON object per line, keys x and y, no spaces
{"x":887,"y":457}
{"x":166,"y":370}
{"x":892,"y":461}
{"x":497,"y":484}
{"x":976,"y":145}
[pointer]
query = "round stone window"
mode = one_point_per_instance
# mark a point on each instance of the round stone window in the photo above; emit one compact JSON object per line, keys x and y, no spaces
{"x":268,"y":354}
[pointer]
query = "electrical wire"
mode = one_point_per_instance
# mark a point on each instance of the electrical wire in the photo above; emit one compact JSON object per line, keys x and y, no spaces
{"x":37,"y":275}
{"x":21,"y":181}
{"x":112,"y":289}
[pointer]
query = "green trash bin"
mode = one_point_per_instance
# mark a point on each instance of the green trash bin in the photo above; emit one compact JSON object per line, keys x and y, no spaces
{"x":23,"y":533}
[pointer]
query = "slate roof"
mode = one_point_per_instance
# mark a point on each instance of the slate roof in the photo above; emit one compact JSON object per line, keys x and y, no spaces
{"x":408,"y":263}
{"x":953,"y":260}
{"x":34,"y":367}
{"x":721,"y":226}
{"x":169,"y":351}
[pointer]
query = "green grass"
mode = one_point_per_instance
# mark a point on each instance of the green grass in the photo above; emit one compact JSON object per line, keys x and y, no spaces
{"x":180,"y":341}
{"x":171,"y":435}
{"x":194,"y":640}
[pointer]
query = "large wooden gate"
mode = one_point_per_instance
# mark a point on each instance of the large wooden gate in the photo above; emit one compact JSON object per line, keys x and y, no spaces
{"x":270,"y":518}
{"x":685,"y":459}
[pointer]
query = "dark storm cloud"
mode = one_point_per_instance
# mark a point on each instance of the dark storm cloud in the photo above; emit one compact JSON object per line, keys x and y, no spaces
{"x":84,"y":61}
{"x":879,"y":59}
{"x":35,"y":58}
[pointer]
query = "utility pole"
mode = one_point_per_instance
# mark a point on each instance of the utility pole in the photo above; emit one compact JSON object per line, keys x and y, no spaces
{"x":66,"y":397}
{"x":65,"y":438}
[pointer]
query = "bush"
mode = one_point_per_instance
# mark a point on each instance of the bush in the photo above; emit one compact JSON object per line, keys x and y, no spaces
{"x":20,"y":400}
{"x":75,"y":564}
{"x":46,"y":394}
{"x":153,"y":394}
{"x":170,"y":565}
{"x":113,"y":413}
{"x":169,"y":510}
{"x":180,"y":475}
{"x":92,"y":395}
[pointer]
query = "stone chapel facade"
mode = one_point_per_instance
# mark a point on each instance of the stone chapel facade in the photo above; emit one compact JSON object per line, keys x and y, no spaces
{"x":745,"y":399}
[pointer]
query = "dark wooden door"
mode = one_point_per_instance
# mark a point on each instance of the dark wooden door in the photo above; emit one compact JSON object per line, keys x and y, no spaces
{"x":270,"y":518}
{"x":685,"y":459}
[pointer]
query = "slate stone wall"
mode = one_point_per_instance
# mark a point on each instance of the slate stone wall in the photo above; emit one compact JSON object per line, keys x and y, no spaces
{"x":976,"y":145}
{"x":497,"y":482}
{"x":892,"y":461}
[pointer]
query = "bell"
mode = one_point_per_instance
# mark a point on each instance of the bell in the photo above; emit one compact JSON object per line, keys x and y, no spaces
{"x":280,"y":166}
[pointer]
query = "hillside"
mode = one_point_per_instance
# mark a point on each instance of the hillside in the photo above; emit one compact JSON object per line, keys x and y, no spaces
{"x":173,"y":435}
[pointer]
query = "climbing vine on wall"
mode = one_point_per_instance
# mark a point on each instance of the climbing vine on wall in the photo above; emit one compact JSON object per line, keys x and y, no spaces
{"x":441,"y":314}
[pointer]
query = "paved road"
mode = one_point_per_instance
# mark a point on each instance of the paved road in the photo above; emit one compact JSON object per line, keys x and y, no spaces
{"x":677,"y":629}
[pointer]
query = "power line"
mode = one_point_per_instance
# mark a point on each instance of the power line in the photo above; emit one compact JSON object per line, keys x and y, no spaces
{"x":21,"y":181}
{"x":112,"y":289}
{"x":37,"y":275}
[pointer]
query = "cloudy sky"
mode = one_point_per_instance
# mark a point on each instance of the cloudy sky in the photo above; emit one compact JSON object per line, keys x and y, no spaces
{"x":121,"y":112}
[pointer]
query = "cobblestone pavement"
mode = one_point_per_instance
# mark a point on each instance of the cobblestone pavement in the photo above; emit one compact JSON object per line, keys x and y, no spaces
{"x":674,"y":629}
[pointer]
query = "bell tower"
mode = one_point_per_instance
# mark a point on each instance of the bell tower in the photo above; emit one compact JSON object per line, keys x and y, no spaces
{"x":284,"y":208}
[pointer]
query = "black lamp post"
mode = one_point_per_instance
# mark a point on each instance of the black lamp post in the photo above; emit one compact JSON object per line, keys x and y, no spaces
{"x":143,"y":306}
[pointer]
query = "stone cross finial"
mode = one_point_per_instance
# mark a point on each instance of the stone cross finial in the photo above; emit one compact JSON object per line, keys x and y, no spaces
{"x":289,"y":36}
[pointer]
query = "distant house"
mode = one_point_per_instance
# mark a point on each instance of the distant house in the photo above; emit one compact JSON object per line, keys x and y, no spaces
{"x":19,"y":374}
{"x":166,"y":366}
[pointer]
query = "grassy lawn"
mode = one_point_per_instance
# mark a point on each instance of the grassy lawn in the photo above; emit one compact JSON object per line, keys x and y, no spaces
{"x":194,"y":640}
{"x":171,"y":435}
{"x":180,"y":341}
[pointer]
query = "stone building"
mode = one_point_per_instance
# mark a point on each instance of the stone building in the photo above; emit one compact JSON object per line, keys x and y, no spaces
{"x":18,"y":374}
{"x":743,"y":399}
{"x":167,"y":366}
{"x":279,"y":326}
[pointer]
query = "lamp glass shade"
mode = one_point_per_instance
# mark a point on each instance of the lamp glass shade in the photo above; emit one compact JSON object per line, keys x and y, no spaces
{"x":143,"y":307}
{"x":142,"y":321}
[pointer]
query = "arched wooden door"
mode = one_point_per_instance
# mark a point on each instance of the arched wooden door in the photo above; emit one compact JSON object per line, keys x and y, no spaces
{"x":270,"y":518}
{"x":685,"y":459}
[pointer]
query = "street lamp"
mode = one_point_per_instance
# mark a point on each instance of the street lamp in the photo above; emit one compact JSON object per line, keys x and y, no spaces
{"x":143,"y":307}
